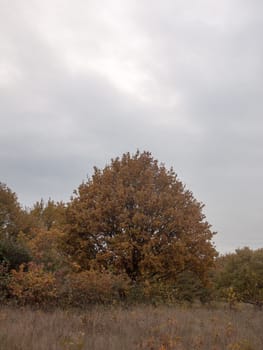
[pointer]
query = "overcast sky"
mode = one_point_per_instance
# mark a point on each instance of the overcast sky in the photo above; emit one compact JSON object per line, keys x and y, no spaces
{"x":82,"y":82}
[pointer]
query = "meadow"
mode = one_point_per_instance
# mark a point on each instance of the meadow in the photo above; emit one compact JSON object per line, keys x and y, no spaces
{"x":137,"y":327}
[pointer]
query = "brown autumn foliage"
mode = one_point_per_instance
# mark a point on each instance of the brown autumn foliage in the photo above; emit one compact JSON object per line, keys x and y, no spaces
{"x":32,"y":284}
{"x":13,"y":218}
{"x":136,"y":217}
{"x":46,"y":247}
{"x":84,"y":288}
{"x":47,"y":216}
{"x":132,"y":232}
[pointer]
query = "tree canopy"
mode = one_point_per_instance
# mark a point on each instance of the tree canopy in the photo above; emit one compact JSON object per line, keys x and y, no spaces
{"x":11,"y":214}
{"x":242,"y":272}
{"x":136,"y":217}
{"x":13,"y":220}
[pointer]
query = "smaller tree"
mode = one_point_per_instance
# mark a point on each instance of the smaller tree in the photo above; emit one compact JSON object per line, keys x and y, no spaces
{"x":12,"y":217}
{"x":46,"y":247}
{"x":242,"y":274}
{"x":48,"y":215}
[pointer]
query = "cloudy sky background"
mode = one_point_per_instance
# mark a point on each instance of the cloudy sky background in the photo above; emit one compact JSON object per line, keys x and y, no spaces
{"x":82,"y":82}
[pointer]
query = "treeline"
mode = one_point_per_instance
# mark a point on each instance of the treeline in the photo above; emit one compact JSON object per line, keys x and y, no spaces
{"x":131,"y":233}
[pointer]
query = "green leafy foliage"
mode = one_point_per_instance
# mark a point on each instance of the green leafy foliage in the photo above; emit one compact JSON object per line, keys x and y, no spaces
{"x":12,"y":218}
{"x":13,"y":252}
{"x":242,"y":272}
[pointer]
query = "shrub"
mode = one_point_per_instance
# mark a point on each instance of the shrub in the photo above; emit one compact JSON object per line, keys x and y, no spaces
{"x":13,"y":253}
{"x":31,"y":284}
{"x":91,"y":287}
{"x":4,"y":280}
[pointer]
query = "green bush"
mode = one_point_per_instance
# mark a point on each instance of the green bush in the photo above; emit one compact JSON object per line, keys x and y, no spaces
{"x":13,"y":253}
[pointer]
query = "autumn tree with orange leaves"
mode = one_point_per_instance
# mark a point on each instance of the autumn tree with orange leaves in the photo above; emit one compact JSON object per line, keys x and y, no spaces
{"x":136,"y":217}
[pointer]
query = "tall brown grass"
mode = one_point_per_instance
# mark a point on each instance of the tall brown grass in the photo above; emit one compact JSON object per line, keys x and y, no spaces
{"x":140,"y":327}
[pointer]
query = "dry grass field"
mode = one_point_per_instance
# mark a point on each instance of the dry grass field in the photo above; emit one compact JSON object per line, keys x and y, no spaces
{"x":145,"y":327}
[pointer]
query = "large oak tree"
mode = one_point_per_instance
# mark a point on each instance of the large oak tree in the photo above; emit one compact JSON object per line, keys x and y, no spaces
{"x":136,"y":217}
